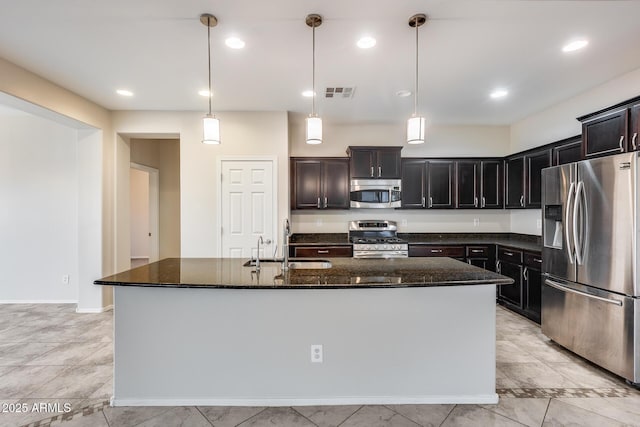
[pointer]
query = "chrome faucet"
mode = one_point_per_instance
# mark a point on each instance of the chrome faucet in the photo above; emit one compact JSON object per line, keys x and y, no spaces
{"x":264,"y":242}
{"x":286,"y":232}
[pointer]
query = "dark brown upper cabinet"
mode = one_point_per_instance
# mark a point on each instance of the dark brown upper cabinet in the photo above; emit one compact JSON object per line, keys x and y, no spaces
{"x":414,"y":187}
{"x":634,"y":127}
{"x":479,"y":184}
{"x":375,"y":162}
{"x":605,"y":133}
{"x":514,"y":182}
{"x":523,"y":178}
{"x":440,"y":184}
{"x":319,"y":183}
{"x":567,"y":151}
{"x":535,"y":162}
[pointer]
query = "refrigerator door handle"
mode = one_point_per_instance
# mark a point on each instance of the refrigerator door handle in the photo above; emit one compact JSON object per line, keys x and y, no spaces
{"x":578,"y":206}
{"x":561,"y":287}
{"x":569,"y":209}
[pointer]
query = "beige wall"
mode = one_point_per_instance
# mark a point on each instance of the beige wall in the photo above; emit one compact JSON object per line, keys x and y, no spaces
{"x":164,"y":155}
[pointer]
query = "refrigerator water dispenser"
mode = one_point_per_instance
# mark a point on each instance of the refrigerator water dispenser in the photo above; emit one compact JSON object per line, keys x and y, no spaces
{"x":553,"y":226}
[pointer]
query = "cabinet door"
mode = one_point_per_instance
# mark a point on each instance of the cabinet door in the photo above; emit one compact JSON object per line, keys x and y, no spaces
{"x":634,"y":128}
{"x":532,"y":293}
{"x":511,"y":294}
{"x":413,"y":183}
{"x":514,"y":182}
{"x":388,"y":163}
{"x":567,"y":153}
{"x":362,"y":164}
{"x":605,"y":135}
{"x":335,"y":184}
{"x":440,"y":184}
{"x":491,"y":184}
{"x":479,"y":262}
{"x":307,"y":186}
{"x":467,"y":184}
{"x":535,"y":163}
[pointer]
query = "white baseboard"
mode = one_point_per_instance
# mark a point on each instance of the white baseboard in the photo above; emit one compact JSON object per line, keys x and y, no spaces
{"x":38,"y":301}
{"x":355,"y":400}
{"x":94,"y":310}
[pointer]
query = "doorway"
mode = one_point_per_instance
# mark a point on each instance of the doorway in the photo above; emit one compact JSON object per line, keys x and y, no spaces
{"x":144,"y":193}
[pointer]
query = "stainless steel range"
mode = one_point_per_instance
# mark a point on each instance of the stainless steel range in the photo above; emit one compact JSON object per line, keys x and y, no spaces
{"x":376,"y":239}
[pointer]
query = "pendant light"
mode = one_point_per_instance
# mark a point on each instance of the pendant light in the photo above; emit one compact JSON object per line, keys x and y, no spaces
{"x":416,"y":124}
{"x":210,"y":125}
{"x":313,"y":122}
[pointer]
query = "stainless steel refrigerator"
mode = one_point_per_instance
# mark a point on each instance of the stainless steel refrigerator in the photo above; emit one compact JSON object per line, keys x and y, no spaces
{"x":590,"y":293}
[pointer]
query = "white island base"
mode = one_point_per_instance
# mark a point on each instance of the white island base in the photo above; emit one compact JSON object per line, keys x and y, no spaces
{"x":252,"y":347}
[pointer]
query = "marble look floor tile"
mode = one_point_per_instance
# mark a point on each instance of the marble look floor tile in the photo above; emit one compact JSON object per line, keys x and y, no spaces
{"x":425,"y":415}
{"x":327,"y":416}
{"x":585,"y":375}
{"x":508,"y":352}
{"x":502,"y":380}
{"x":104,"y":392}
{"x":95,"y":419}
{"x":562,"y":414}
{"x":73,"y":383}
{"x":377,"y":416}
{"x":66,"y":354}
{"x":35,"y":412}
{"x":623,"y":409}
{"x":130,"y":416}
{"x":281,"y":417}
{"x":535,"y":375}
{"x":529,"y":412}
{"x":13,"y":354}
{"x":474,"y":416}
{"x":103,"y":355}
{"x":229,"y":416}
{"x":183,"y":416}
{"x":21,"y":381}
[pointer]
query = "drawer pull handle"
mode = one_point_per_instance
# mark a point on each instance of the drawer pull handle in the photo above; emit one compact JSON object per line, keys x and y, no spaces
{"x":476,"y":251}
{"x":436,"y":251}
{"x":326,"y":251}
{"x":538,"y":260}
{"x":509,"y":253}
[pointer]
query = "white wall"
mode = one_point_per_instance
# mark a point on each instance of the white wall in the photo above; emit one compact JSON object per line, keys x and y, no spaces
{"x":39,"y":210}
{"x":139,"y":203}
{"x":242,"y":133}
{"x":559,"y":122}
{"x":441,"y":141}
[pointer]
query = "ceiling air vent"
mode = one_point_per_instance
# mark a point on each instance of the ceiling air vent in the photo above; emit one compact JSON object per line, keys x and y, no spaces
{"x":339,"y":92}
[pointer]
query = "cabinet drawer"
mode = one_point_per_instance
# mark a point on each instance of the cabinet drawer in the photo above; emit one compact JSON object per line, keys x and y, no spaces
{"x":435,"y":251}
{"x":323,"y":251}
{"x":478,"y":252}
{"x":510,"y":255}
{"x":533,"y":260}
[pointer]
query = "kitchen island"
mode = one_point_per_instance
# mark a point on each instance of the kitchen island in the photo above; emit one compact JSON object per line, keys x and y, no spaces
{"x":214,"y":332}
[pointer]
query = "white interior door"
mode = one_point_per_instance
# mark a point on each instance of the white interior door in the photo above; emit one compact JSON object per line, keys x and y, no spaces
{"x":247,"y":207}
{"x":144,"y":212}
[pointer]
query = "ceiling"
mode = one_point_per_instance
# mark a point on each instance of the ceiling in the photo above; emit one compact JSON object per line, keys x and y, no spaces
{"x":158,"y":50}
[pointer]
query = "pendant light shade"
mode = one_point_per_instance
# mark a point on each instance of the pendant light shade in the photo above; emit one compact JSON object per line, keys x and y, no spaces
{"x":416,"y":124}
{"x":314,"y":130}
{"x":210,"y":125}
{"x":313,"y":122}
{"x":211,"y":130}
{"x":415,"y":130}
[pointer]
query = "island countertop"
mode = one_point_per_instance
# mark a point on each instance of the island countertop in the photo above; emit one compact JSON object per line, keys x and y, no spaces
{"x":344,"y":273}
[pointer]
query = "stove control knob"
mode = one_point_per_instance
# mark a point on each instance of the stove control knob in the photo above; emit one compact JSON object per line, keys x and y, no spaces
{"x":385,"y":247}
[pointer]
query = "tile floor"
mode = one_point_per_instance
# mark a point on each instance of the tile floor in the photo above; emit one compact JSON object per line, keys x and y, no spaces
{"x":51,"y":356}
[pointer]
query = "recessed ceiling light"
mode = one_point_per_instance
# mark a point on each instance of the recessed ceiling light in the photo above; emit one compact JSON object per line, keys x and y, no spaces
{"x":124,"y":92}
{"x":234,"y":43}
{"x":308,"y":93}
{"x":403,"y":93}
{"x":366,"y":42}
{"x":499,"y":93}
{"x":204,"y":92}
{"x":575,"y":45}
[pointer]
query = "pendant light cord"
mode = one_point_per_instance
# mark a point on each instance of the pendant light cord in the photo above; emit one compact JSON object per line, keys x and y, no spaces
{"x":313,"y":70}
{"x":209,"y":56}
{"x":415,"y":98}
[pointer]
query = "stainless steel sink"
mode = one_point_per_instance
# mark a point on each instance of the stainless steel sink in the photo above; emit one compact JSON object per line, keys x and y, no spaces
{"x":252,"y":262}
{"x":318,"y":265}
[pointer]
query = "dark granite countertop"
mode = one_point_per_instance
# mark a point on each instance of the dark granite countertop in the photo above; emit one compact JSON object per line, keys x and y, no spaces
{"x":513,"y":240}
{"x":344,"y":273}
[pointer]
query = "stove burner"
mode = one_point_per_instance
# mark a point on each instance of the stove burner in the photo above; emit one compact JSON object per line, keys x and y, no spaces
{"x":371,"y":240}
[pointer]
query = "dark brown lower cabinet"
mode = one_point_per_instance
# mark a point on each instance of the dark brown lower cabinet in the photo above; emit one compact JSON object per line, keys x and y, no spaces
{"x":525,"y":295}
{"x":532,"y":289}
{"x":482,"y":256}
{"x":321,"y":251}
{"x":453,"y":251}
{"x":511,"y":295}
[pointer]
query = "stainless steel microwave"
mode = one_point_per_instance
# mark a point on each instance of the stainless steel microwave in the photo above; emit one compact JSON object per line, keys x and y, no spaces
{"x":376,"y":193}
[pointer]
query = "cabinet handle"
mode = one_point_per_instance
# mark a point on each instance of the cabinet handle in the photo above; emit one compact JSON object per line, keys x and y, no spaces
{"x":475,"y":251}
{"x":469,"y":261}
{"x":484,"y":202}
{"x":379,"y":171}
{"x":318,"y":203}
{"x":509,"y":253}
{"x":475,"y":202}
{"x":498,"y":269}
{"x":436,"y":251}
{"x":634,"y":141}
{"x":423,"y":201}
{"x":621,"y":143}
{"x":371,"y":171}
{"x":538,"y":260}
{"x":525,"y":273}
{"x":430,"y":201}
{"x":325,"y":202}
{"x":326,"y":251}
{"x":522,"y":200}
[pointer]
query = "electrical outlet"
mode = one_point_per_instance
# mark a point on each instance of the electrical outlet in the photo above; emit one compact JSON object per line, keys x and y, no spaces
{"x":538,"y":224}
{"x":318,"y":222}
{"x":476,"y":222}
{"x":65,"y":279}
{"x":403,"y":222}
{"x":316,"y":353}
